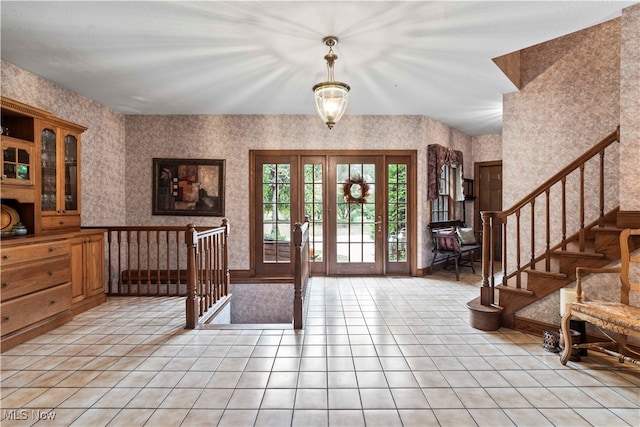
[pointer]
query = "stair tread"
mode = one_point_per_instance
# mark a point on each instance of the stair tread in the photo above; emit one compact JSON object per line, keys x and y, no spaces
{"x":511,"y":289}
{"x":475,"y":305}
{"x":582,"y":254}
{"x":550,"y":274}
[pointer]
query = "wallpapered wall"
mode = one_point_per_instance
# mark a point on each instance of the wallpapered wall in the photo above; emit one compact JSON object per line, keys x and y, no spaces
{"x":103,"y":168}
{"x":568,"y":106}
{"x":630,"y":109}
{"x":117,"y":152}
{"x":231,"y":138}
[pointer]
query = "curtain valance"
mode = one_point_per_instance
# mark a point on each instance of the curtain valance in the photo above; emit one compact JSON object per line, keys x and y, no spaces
{"x":437,"y":157}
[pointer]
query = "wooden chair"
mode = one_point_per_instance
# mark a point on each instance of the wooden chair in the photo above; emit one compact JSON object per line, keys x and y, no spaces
{"x":617,"y":320}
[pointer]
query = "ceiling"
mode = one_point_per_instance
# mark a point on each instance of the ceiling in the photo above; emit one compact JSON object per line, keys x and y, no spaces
{"x":430,"y":58}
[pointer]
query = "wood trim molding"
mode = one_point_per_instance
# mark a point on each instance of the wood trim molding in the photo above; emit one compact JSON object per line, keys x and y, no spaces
{"x":628,"y":219}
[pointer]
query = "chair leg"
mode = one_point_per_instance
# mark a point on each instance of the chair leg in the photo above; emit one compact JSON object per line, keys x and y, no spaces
{"x":473,"y":267}
{"x":566,"y":335}
{"x":433,"y":261}
{"x":455,"y":259}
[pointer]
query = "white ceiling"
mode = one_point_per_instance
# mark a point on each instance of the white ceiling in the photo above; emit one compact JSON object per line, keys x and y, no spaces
{"x":430,"y":58}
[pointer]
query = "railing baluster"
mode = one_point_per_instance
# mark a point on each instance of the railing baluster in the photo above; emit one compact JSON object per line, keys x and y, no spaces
{"x":601,"y":218}
{"x":148,"y":251}
{"x":504,"y":251}
{"x":157,"y":242}
{"x":564,"y":214}
{"x":533,"y":235}
{"x":582,"y":231}
{"x":518,"y":269}
{"x":547,"y":266}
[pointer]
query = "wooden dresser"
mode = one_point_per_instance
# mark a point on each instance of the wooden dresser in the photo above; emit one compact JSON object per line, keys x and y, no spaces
{"x":56,"y":270}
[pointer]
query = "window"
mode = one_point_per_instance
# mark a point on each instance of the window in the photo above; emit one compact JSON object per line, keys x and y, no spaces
{"x":397,"y":212}
{"x":441,"y":207}
{"x":313,"y":204}
{"x":276,"y":209}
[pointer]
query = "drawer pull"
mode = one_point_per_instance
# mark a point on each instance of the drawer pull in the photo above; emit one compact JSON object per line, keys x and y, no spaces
{"x":52,"y":249}
{"x":52,"y":302}
{"x":5,"y":285}
{"x":6,"y":319}
{"x":51,"y":274}
{"x":6,"y":256}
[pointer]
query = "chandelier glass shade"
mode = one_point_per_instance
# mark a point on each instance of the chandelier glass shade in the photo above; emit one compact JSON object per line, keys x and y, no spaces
{"x":331,"y":96}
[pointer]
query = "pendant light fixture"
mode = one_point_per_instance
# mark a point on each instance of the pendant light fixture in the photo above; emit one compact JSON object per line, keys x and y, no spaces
{"x":331,"y":96}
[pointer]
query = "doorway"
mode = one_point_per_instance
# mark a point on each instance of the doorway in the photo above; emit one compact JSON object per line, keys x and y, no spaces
{"x":489,"y":198}
{"x":361,"y":209}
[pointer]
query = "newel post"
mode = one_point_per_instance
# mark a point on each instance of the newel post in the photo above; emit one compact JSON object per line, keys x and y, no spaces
{"x":192,"y":301}
{"x":225,"y":256}
{"x":486,"y":291}
{"x":297,"y":276}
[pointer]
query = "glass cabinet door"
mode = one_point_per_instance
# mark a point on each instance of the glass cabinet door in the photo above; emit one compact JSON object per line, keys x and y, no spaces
{"x":16,"y":163}
{"x":49,"y":168}
{"x":70,"y":173}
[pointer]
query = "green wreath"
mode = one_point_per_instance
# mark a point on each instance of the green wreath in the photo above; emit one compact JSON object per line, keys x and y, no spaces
{"x":355,"y":190}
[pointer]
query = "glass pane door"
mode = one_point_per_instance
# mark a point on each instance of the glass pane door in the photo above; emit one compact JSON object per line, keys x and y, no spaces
{"x":356,"y":221}
{"x":70,"y":173}
{"x":49,"y":170}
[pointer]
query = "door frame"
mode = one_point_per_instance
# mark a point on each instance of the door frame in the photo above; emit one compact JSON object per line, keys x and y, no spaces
{"x":477,"y":221}
{"x":361,"y":268}
{"x":297,"y":212}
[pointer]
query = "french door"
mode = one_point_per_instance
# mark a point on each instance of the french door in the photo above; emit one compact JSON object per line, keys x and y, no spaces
{"x":355,"y":215}
{"x":360,"y":208}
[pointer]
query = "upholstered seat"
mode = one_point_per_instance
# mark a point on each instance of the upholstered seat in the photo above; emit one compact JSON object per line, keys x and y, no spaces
{"x":617,"y":320}
{"x":613,"y":316}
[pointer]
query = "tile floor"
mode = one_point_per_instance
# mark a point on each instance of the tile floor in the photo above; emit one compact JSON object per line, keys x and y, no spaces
{"x":376,"y":352}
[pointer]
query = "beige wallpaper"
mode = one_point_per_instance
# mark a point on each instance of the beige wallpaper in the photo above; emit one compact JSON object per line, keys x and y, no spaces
{"x":630,"y":109}
{"x":117,"y":152}
{"x":568,"y":107}
{"x":231,"y":138}
{"x":103,"y":168}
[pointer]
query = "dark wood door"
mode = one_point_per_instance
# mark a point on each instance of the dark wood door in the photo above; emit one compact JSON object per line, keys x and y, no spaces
{"x":489,"y":198}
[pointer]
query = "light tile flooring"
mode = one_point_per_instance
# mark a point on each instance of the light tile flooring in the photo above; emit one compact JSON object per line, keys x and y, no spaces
{"x":376,"y":352}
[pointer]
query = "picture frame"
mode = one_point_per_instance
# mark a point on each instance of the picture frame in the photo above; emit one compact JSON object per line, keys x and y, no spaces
{"x":188,"y":187}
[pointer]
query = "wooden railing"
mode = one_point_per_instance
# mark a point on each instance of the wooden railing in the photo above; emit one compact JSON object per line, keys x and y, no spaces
{"x":208,"y":271}
{"x":553,"y":219}
{"x":146,"y":261}
{"x":301,"y":272}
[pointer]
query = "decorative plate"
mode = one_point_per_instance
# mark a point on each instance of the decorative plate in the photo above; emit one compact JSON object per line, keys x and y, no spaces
{"x":9,"y":218}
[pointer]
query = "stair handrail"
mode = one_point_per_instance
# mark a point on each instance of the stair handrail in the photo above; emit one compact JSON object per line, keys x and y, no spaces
{"x":487,"y":290}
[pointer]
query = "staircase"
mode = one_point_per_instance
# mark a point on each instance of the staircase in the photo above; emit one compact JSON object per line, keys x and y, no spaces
{"x":530,"y":267}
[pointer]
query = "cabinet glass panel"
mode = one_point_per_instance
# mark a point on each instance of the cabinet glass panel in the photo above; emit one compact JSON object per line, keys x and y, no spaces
{"x":48,"y":170}
{"x":16,"y":163}
{"x":70,"y":173}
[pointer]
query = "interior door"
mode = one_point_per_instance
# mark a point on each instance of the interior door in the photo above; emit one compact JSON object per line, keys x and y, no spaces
{"x":489,"y":175}
{"x":355,"y":215}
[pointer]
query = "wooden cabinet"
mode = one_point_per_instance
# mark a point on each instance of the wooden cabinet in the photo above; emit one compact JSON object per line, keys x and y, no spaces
{"x":60,"y":176}
{"x":19,"y":157}
{"x":40,"y":168}
{"x":17,"y":163}
{"x":35,"y":295}
{"x":57,"y":269}
{"x":48,"y":279}
{"x":87,"y":264}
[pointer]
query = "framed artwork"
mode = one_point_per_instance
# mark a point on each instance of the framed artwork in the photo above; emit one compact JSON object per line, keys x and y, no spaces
{"x":189,"y":187}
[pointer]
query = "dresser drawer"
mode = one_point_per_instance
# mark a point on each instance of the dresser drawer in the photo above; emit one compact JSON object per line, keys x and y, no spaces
{"x":35,"y":252}
{"x":32,"y":277}
{"x":26,"y":310}
{"x":60,"y":221}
